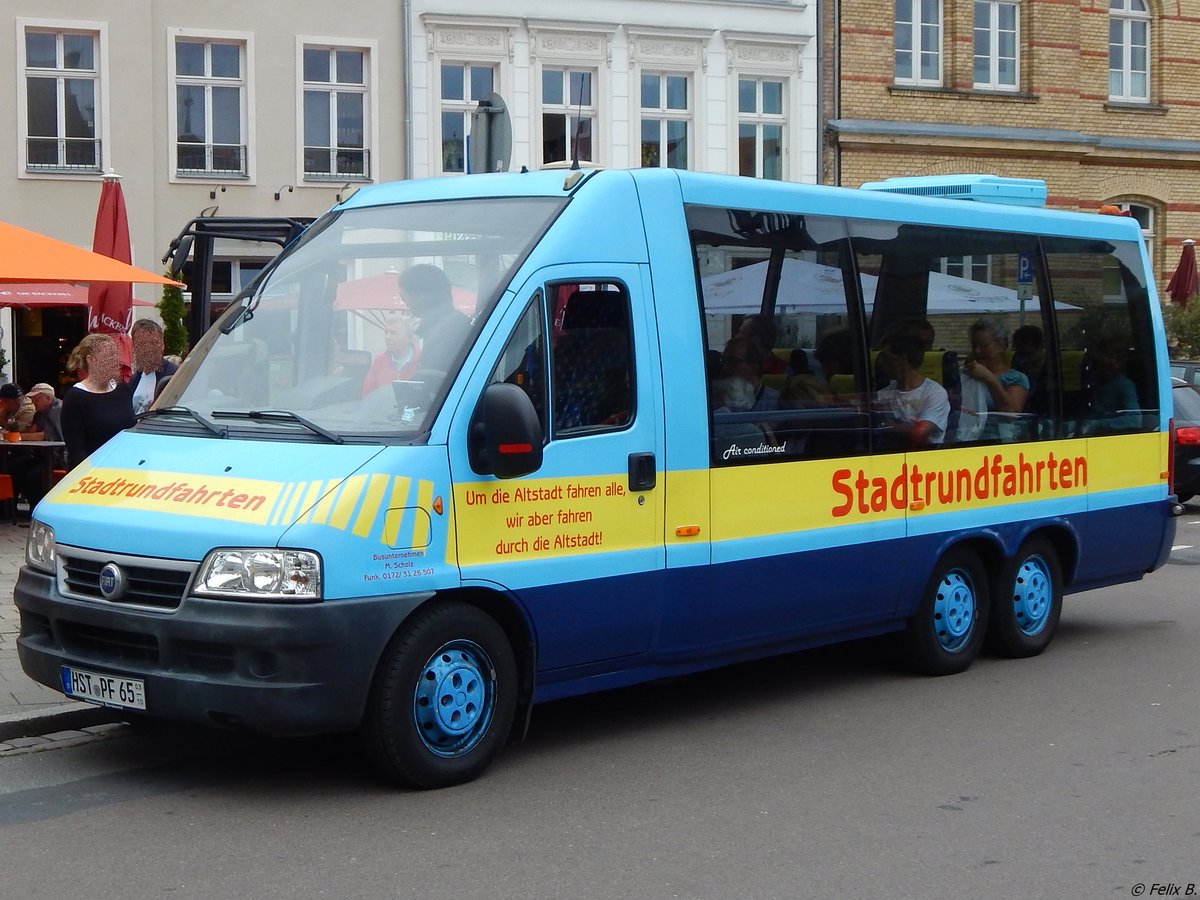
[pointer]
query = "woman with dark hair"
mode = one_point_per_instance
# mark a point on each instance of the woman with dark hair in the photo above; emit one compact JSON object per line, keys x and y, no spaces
{"x":100,"y":404}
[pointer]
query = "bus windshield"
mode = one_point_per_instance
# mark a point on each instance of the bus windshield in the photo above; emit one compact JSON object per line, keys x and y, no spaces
{"x":357,"y":329}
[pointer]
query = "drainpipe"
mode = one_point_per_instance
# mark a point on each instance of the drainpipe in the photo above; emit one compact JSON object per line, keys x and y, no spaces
{"x":405,"y":40}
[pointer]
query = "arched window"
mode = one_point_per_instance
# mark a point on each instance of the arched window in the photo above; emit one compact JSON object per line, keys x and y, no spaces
{"x":1129,"y":51}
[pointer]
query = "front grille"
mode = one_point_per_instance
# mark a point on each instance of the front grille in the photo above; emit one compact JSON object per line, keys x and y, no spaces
{"x":205,"y":656}
{"x":148,"y":585}
{"x":109,"y":644}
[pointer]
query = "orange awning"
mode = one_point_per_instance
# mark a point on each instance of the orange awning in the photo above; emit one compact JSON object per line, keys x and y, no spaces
{"x":26,"y":256}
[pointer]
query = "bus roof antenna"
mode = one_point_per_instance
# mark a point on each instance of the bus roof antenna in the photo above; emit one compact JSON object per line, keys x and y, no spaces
{"x":578,"y":122}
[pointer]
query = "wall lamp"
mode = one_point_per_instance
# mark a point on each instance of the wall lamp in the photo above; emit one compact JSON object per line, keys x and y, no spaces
{"x":290,"y":188}
{"x":346,"y":191}
{"x":212,"y":195}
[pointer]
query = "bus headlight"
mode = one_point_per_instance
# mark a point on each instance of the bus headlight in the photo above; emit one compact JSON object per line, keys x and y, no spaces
{"x":39,"y":548}
{"x":260,"y":574}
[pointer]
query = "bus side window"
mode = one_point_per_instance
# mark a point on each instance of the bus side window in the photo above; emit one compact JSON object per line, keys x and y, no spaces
{"x":592,"y":361}
{"x":523,"y":361}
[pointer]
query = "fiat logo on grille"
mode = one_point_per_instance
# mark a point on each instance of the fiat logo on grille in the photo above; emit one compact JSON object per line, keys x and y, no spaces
{"x":112,"y":581}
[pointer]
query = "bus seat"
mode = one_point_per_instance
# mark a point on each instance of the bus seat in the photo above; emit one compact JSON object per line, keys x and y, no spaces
{"x":591,"y":378}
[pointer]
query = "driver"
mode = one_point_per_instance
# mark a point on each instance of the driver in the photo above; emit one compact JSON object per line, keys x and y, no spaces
{"x":442,"y":329}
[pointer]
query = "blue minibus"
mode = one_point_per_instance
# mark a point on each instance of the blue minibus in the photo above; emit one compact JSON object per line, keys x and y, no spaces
{"x":470,"y":444}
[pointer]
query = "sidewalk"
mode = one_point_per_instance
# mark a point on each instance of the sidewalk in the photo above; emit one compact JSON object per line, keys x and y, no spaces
{"x":27,"y":708}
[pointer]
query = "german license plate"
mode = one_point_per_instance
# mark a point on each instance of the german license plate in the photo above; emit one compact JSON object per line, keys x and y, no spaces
{"x":107,"y":690}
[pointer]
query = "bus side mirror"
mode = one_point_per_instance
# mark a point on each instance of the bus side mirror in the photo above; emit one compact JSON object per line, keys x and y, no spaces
{"x":506,"y":434}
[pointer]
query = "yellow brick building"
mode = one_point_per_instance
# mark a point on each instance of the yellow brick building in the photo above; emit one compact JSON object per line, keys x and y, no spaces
{"x":1100,"y":98}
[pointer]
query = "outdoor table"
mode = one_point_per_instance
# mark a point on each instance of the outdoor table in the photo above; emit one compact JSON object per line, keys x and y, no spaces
{"x":43,"y":450}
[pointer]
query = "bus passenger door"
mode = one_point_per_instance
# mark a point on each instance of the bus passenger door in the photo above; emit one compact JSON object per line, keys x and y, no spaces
{"x":579,"y":541}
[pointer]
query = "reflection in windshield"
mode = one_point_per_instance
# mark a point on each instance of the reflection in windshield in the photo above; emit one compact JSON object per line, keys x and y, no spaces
{"x":361,"y":325}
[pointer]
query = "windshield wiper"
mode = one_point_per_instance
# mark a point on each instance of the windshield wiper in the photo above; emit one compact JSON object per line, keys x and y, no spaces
{"x":219,"y":430}
{"x":282,"y":415}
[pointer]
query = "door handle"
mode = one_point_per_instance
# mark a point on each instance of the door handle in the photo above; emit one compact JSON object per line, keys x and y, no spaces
{"x":642,"y":472}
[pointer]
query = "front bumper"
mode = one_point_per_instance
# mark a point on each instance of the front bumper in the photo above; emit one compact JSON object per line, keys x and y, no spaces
{"x":280,"y":669}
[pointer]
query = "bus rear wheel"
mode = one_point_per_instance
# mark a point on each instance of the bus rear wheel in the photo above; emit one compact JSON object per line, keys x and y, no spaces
{"x":443,"y":698}
{"x":1028,"y":601}
{"x":946,"y":633}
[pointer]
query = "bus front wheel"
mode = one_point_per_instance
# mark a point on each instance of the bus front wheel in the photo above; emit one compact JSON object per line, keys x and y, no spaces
{"x":1028,"y":601}
{"x":945,"y":634}
{"x":443,"y":698}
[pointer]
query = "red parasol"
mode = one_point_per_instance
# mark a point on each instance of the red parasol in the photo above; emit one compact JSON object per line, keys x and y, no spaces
{"x":1185,"y":282}
{"x":110,"y":303}
{"x":375,"y":296}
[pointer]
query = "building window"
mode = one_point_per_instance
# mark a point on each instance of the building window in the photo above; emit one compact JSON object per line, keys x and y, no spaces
{"x":996,"y":31}
{"x":972,"y":268}
{"x":62,"y":94}
{"x":1144,"y":216}
{"x":760,"y":127}
{"x":210,"y":107}
{"x":335,"y":113}
{"x":919,"y":42}
{"x":463,"y":86}
{"x":568,"y":114}
{"x":1129,"y":51}
{"x":666,"y":119}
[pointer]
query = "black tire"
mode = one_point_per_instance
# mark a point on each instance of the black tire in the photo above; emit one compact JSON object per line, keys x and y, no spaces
{"x":945,"y":634}
{"x":1028,"y":601}
{"x":1184,"y":496}
{"x":442,"y":702}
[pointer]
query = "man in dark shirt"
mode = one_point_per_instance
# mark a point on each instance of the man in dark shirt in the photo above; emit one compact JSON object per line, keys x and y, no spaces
{"x":29,"y":470}
{"x":443,"y":330}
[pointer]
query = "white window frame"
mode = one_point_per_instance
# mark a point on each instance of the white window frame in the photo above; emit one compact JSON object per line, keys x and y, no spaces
{"x":370,"y":51}
{"x":1148,"y":226}
{"x":668,"y":53}
{"x":246,"y":83}
{"x":757,"y":57}
{"x":103,"y":132}
{"x":664,"y":115}
{"x":577,"y":51}
{"x":572,"y":112}
{"x":1126,"y":16}
{"x":921,"y":33}
{"x":760,"y":120}
{"x":454,"y":41}
{"x":463,"y":108}
{"x":968,"y":265}
{"x":993,"y":32}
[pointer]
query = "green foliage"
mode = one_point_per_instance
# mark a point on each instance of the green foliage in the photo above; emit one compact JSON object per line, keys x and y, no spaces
{"x":1183,"y":329}
{"x":171,"y":310}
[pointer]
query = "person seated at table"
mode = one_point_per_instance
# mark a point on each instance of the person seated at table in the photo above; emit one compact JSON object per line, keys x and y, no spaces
{"x":30,"y":472}
{"x":16,"y":409}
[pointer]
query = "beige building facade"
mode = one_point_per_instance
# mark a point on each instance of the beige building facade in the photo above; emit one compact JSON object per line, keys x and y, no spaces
{"x":1096,"y":97}
{"x":246,"y":108}
{"x":255,"y":108}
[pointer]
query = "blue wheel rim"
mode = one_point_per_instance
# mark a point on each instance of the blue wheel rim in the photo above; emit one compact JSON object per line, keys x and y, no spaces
{"x":1033,"y":595}
{"x":455,"y":698}
{"x":954,"y":610}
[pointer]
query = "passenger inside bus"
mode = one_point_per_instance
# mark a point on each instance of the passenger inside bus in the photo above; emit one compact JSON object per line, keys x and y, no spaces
{"x":1114,"y":397}
{"x":743,"y":358}
{"x":915,"y":408}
